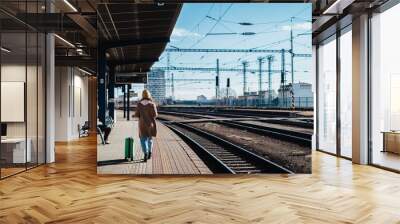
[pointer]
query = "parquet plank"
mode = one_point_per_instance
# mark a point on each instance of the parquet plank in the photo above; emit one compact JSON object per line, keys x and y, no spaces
{"x":70,"y":191}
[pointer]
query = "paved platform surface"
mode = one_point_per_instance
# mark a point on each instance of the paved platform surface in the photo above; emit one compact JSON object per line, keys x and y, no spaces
{"x":171,"y":155}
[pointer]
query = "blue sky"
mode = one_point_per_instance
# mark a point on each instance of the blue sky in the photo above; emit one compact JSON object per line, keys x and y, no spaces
{"x":271,"y":23}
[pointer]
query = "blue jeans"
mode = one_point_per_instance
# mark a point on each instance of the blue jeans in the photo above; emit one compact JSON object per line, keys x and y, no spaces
{"x":147,"y":144}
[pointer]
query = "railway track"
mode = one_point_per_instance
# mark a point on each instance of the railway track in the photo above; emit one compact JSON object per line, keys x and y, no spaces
{"x":209,"y":113}
{"x":222,"y":156}
{"x":202,"y":115}
{"x":300,"y":138}
{"x":297,"y":137}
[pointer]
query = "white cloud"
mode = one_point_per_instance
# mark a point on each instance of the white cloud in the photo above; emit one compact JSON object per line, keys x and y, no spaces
{"x":181,"y":32}
{"x":298,"y":26}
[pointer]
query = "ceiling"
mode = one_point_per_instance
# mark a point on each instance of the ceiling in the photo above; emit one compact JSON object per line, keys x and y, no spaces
{"x":90,"y":22}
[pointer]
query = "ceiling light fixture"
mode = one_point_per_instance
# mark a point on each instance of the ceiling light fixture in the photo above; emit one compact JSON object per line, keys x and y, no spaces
{"x":64,"y":40}
{"x":70,"y":5}
{"x":84,"y":71}
{"x":5,"y":50}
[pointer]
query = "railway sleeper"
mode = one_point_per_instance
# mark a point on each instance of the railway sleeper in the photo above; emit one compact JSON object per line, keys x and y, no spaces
{"x":222,"y":153}
{"x":232,"y":160}
{"x":241,"y":166}
{"x":247,"y":171}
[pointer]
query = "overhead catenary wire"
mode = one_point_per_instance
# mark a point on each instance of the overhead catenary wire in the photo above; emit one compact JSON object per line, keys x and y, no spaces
{"x":212,"y":28}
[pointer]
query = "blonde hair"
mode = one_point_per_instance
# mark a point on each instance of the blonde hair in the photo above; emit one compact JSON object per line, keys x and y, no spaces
{"x":146,"y":94}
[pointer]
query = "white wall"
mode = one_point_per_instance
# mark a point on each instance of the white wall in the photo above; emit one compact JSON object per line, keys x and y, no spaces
{"x":71,"y":102}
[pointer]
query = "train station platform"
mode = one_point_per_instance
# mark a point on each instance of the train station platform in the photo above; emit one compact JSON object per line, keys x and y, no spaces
{"x":171,"y":155}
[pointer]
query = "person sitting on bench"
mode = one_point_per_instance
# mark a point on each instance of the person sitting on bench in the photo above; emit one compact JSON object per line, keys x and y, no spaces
{"x":84,"y":129}
{"x":106,"y":128}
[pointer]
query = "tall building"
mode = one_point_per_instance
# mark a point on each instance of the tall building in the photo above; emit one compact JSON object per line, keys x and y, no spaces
{"x":156,"y":85}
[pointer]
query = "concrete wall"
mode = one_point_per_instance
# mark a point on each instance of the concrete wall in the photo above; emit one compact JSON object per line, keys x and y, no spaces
{"x":71,"y":102}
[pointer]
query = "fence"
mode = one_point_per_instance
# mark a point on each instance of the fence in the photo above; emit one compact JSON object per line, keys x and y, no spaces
{"x":299,"y":102}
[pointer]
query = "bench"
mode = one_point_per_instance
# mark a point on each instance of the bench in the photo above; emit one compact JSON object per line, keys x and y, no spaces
{"x":84,"y":129}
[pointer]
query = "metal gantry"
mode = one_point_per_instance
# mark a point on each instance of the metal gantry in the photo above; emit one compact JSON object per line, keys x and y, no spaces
{"x":229,"y":50}
{"x":224,"y":50}
{"x":214,"y":69}
{"x":244,"y":70}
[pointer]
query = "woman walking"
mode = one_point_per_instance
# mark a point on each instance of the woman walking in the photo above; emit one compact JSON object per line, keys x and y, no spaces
{"x":146,"y":111}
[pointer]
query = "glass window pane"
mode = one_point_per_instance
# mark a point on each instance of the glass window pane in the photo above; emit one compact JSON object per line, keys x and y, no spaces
{"x":385,"y":89}
{"x":346,"y":94}
{"x":327,"y":96}
{"x":13,"y":87}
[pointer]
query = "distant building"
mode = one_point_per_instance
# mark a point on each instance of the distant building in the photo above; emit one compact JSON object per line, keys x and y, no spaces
{"x":156,"y":85}
{"x":302,"y":94}
{"x":201,"y":99}
{"x":265,"y":95}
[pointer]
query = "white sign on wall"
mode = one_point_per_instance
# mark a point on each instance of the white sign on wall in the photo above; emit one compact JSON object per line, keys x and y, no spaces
{"x":12,"y":101}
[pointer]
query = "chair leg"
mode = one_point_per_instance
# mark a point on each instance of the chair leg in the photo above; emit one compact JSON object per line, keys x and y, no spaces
{"x":101,"y":136}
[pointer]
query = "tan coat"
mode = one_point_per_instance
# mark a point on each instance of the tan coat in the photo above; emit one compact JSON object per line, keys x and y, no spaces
{"x":146,"y":111}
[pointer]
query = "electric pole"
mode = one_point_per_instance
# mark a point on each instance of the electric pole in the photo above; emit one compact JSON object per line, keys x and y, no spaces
{"x":245,"y":63}
{"x":270,"y":58}
{"x":283,"y":76}
{"x":217,"y":82}
{"x":291,"y":49}
{"x":228,"y":84}
{"x":167,"y":71}
{"x":260,"y":61}
{"x":292,"y":63}
{"x":172,"y":87}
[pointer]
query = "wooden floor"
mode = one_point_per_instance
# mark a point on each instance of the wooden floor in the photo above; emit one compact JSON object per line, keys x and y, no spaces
{"x":387,"y":159}
{"x":70,"y":191}
{"x":171,"y":155}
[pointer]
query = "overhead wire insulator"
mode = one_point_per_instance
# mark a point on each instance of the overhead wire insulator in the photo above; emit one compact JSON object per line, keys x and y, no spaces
{"x":246,"y":24}
{"x":248,"y":33}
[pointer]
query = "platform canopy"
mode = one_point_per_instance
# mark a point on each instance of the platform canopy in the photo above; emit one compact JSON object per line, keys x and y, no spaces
{"x":135,"y":35}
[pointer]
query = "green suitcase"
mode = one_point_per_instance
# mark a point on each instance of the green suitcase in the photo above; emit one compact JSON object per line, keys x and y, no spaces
{"x":129,"y":148}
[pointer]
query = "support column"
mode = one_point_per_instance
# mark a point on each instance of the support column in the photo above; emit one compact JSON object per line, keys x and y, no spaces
{"x":315,"y":91}
{"x":360,"y":89}
{"x":111,"y":99}
{"x":124,"y":100}
{"x":50,"y":98}
{"x":101,"y":91}
{"x":128,"y":103}
{"x":92,"y":85}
